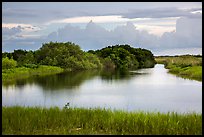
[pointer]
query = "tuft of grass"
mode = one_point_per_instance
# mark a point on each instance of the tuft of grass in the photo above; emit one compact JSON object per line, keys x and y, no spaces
{"x":42,"y":121}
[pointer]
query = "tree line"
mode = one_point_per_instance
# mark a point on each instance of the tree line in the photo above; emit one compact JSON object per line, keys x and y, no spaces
{"x":125,"y":56}
{"x":70,"y":56}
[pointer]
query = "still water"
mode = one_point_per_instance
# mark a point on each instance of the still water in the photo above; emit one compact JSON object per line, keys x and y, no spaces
{"x":149,"y":90}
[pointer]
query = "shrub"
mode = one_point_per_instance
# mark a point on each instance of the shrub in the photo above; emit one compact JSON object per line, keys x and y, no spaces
{"x":8,"y":63}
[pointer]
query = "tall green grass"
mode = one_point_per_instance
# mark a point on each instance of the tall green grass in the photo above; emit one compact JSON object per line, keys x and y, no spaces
{"x":35,"y":120}
{"x":185,"y":66}
{"x":9,"y":75}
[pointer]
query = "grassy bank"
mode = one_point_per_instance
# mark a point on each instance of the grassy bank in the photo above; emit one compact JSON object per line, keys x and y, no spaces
{"x":9,"y":75}
{"x":27,"y":120}
{"x":185,"y":66}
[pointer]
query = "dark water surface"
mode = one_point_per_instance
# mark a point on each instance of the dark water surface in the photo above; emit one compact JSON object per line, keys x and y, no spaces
{"x":152,"y":90}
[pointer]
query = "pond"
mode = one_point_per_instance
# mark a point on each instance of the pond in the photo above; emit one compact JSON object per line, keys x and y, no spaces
{"x":149,"y":90}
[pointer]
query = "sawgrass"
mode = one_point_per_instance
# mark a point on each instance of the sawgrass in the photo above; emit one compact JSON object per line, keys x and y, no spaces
{"x":35,"y":120}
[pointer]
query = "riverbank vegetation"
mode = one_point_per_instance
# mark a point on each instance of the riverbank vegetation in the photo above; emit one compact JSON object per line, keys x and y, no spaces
{"x":70,"y":57}
{"x":186,"y":66}
{"x":12,"y":74}
{"x":25,"y":120}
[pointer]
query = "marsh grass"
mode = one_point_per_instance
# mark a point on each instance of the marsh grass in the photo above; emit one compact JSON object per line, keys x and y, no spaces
{"x":185,"y":66}
{"x":9,"y":75}
{"x":36,"y":120}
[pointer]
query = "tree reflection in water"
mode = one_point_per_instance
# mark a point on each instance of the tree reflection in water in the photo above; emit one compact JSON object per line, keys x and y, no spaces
{"x":73,"y":80}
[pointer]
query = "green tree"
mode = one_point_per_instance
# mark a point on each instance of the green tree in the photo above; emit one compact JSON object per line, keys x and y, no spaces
{"x":66,"y":55}
{"x":29,"y":58}
{"x":125,"y":56}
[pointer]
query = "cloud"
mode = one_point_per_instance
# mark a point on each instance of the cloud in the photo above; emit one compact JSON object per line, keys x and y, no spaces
{"x":85,"y":19}
{"x":20,"y":36}
{"x":161,"y":13}
{"x":188,"y":34}
{"x":11,"y":31}
{"x":34,"y":12}
{"x":18,"y":31}
{"x":189,"y":27}
{"x":20,"y":21}
{"x":95,"y":37}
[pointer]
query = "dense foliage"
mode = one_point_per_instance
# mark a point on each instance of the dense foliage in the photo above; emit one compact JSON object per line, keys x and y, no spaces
{"x":124,"y":56}
{"x":69,"y":56}
{"x":66,"y":55}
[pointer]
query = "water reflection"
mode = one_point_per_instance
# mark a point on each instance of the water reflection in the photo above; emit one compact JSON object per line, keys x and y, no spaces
{"x":117,"y":75}
{"x":71,"y":80}
{"x":150,"y":89}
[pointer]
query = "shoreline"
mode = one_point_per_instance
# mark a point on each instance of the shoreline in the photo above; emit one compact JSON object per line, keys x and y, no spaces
{"x":10,"y":75}
{"x":183,"y":66}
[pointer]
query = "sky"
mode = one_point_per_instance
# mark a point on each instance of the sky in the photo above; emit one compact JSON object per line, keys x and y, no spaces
{"x":165,"y":28}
